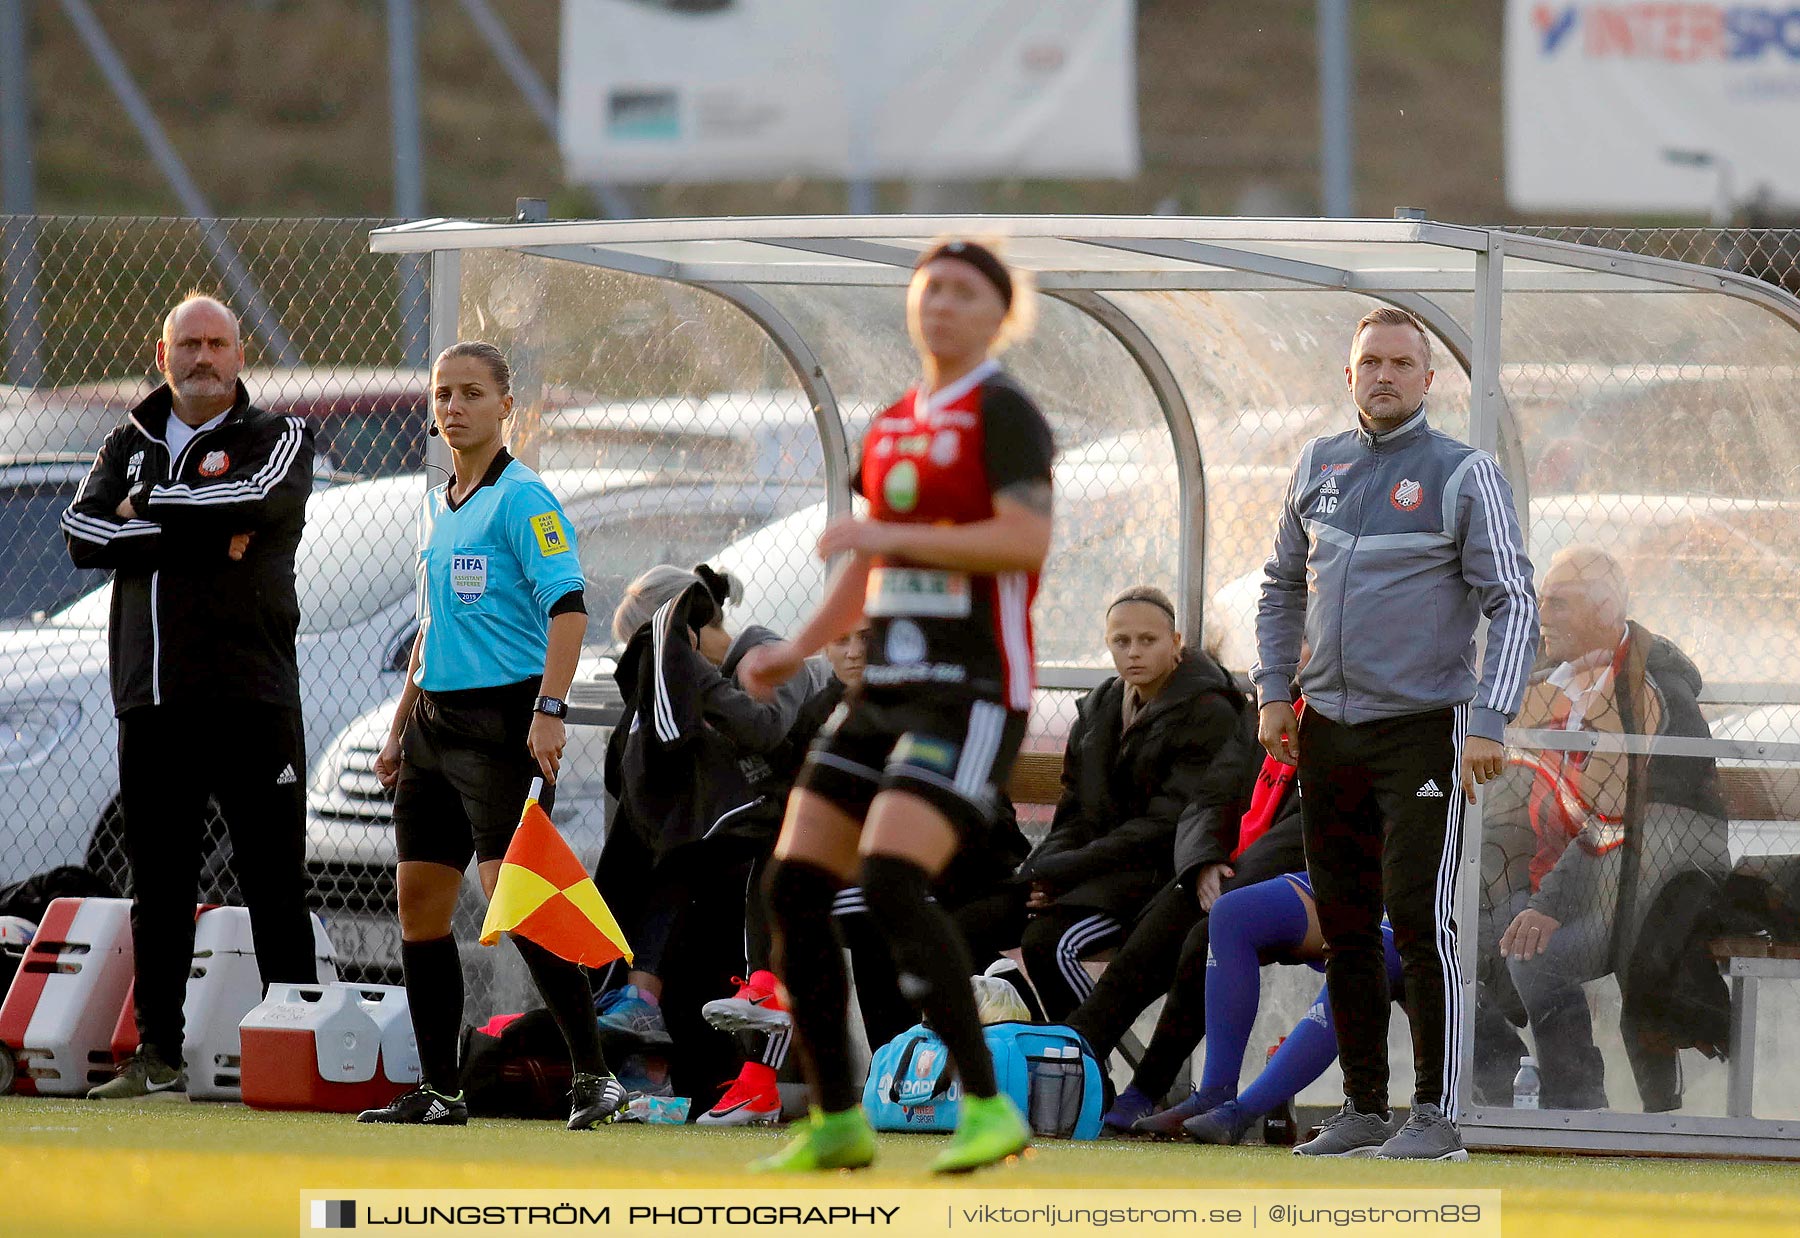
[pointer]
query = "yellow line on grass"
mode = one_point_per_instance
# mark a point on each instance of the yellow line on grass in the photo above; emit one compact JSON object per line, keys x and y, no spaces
{"x":66,"y":1190}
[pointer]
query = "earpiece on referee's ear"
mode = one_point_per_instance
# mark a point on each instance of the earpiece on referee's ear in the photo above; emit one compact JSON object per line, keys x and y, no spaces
{"x":433,"y":431}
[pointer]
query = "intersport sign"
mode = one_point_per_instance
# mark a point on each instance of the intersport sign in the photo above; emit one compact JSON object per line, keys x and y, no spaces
{"x":1598,"y":94}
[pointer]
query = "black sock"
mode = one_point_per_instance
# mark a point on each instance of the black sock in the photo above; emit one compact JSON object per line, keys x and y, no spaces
{"x":434,"y":993}
{"x":932,"y":960}
{"x":564,"y":988}
{"x":809,"y":960}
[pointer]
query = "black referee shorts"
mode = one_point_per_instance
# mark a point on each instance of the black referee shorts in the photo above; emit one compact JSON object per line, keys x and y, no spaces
{"x":953,"y":749}
{"x":464,"y":774}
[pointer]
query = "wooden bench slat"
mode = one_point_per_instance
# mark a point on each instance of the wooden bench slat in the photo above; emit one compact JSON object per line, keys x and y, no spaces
{"x":1036,"y":778}
{"x":1752,"y":793}
{"x":1761,"y":793}
{"x":1752,"y":948}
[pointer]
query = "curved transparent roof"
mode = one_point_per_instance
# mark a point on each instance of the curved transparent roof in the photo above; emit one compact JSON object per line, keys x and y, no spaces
{"x":1640,"y":405}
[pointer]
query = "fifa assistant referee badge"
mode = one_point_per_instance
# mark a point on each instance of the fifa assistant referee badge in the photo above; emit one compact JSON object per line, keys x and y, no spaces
{"x":550,"y":707}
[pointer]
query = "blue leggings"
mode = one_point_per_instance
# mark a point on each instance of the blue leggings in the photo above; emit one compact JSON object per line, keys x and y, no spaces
{"x":1250,"y":926}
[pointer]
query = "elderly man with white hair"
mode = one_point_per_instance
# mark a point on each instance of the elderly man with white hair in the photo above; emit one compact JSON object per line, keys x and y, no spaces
{"x":1610,"y":829}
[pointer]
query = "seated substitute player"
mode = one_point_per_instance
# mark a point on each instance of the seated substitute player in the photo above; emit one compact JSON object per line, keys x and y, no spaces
{"x":501,"y":622}
{"x":945,"y":564}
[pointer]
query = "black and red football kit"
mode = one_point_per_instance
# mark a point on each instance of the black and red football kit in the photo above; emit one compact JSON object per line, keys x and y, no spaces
{"x":949,"y":680}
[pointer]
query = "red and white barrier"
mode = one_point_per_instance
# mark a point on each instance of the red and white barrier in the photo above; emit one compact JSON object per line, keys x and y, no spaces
{"x":58,"y":1017}
{"x":222,"y":988}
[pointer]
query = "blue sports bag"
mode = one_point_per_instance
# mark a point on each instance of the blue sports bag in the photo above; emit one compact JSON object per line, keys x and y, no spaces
{"x":1045,"y":1067}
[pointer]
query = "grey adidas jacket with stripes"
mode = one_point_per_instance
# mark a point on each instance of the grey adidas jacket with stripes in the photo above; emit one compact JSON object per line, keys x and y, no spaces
{"x":1389,"y":550}
{"x":189,"y":623}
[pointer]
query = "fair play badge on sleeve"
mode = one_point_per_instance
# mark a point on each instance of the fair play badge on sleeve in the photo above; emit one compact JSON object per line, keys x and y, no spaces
{"x":468,"y":577}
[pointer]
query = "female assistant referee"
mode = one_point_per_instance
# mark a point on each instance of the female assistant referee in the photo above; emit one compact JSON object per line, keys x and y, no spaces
{"x":945,"y":566}
{"x":501,"y":622}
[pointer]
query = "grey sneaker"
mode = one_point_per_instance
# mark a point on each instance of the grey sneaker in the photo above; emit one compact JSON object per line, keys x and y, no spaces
{"x":143,"y":1074}
{"x":1427,"y":1136}
{"x":1347,"y":1133}
{"x":628,"y":1012}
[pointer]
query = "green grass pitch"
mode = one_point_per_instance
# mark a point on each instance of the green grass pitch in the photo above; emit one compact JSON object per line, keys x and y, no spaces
{"x":170,"y":1166}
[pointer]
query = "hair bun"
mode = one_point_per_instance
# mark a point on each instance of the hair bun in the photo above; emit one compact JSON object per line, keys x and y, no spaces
{"x":723,"y":588}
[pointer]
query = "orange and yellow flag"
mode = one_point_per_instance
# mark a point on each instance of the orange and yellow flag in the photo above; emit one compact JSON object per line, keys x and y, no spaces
{"x":546,"y":896}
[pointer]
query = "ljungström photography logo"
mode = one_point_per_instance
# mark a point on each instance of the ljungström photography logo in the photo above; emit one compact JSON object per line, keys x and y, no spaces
{"x":334,"y":1214}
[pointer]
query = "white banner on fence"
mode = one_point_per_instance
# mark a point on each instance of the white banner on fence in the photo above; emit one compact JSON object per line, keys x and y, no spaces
{"x":716,"y":90}
{"x":1598,"y":93}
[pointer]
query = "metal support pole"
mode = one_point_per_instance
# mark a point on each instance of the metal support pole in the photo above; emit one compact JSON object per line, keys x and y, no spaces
{"x":444,"y":322}
{"x":1190,"y":469}
{"x":18,"y":236}
{"x":860,"y":34}
{"x":828,"y":419}
{"x":1486,"y":409}
{"x":239,"y":285}
{"x":409,"y":175}
{"x":1336,"y":92}
{"x":506,"y":51}
{"x":614,"y":201}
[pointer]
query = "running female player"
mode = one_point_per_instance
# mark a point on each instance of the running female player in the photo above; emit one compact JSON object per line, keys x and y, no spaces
{"x":945,"y":566}
{"x":501,"y":622}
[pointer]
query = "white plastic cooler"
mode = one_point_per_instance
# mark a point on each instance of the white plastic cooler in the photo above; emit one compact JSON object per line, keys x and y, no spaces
{"x":331,"y":1047}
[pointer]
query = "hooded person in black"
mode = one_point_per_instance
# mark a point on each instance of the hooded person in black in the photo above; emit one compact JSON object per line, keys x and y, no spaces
{"x":1164,"y":750}
{"x":697,"y":770}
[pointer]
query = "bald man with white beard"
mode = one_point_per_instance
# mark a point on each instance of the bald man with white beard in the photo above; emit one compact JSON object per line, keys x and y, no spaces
{"x":196,"y":503}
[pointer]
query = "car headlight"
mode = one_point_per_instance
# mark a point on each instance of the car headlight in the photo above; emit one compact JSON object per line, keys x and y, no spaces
{"x":30,"y":730}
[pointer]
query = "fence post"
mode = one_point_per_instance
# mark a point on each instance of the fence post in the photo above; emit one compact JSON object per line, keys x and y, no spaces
{"x":409,"y":172}
{"x":18,"y":238}
{"x":240,"y":286}
{"x":445,"y":311}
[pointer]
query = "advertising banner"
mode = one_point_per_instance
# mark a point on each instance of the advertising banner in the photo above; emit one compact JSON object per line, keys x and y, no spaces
{"x":1651,"y":106}
{"x":658,"y":91}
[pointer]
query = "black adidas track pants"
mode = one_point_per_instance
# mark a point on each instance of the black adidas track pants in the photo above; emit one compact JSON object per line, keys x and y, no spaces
{"x":171,"y":758}
{"x":1383,"y":810}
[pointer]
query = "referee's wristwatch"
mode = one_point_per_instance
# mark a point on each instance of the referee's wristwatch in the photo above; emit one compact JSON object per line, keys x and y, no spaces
{"x":551,"y":707}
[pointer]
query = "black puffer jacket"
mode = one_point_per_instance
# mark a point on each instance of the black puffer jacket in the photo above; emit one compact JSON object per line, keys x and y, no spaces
{"x":1186,"y":765}
{"x":683,"y":762}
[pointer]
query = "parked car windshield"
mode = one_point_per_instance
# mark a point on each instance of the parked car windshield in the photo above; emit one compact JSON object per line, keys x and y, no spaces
{"x":373,"y":444}
{"x":358,"y":556}
{"x":35,"y":571}
{"x":356,"y":559}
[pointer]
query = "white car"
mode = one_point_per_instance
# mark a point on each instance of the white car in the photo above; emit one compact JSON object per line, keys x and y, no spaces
{"x":620,"y":531}
{"x":355,"y":570}
{"x":59,"y":772}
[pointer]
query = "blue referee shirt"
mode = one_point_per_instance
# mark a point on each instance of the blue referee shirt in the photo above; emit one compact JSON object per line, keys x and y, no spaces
{"x":489,"y":571}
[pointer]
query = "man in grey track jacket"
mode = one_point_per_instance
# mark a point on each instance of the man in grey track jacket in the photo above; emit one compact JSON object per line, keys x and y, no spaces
{"x":1395,"y":539}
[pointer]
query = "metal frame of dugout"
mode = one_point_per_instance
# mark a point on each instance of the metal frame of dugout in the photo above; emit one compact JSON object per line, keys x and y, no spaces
{"x":1086,"y":262}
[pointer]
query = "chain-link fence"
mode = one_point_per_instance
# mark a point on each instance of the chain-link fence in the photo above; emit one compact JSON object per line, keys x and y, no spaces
{"x":1769,"y":254}
{"x":675,"y":430}
{"x":1664,"y":514}
{"x":332,"y":334}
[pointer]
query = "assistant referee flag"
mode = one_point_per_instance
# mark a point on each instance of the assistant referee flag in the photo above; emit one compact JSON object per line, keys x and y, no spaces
{"x":546,"y":896}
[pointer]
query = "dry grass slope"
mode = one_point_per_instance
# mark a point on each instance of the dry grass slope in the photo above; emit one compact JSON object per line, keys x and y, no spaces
{"x":280,"y":108}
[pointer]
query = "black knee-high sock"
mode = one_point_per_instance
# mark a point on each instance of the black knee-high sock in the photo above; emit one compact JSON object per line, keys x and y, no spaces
{"x":564,"y":988}
{"x":932,"y":960}
{"x":757,"y":929}
{"x":810,"y":961}
{"x":434,"y":993}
